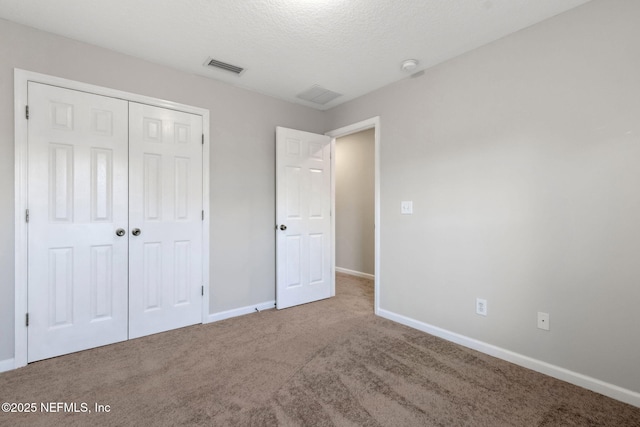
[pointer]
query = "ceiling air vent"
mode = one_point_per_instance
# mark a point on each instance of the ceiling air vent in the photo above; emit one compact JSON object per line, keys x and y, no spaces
{"x":214,"y":63}
{"x":318,"y":95}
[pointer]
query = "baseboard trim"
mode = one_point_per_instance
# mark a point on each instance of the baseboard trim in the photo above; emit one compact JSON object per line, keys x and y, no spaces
{"x":615,"y":392}
{"x":7,"y":365}
{"x":216,"y":317}
{"x":355,"y":273}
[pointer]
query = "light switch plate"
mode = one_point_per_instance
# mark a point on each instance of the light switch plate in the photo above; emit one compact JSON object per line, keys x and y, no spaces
{"x":406,"y":207}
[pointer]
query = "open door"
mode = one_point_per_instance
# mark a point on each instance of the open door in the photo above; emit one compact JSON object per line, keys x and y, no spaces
{"x":303,"y":216}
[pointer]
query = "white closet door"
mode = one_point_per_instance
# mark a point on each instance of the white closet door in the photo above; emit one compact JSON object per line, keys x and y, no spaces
{"x":77,"y":201}
{"x":165,"y":203}
{"x":303,"y":214}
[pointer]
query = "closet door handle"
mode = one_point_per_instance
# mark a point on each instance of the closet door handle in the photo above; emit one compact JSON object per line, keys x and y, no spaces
{"x":120,"y":232}
{"x":136,"y":231}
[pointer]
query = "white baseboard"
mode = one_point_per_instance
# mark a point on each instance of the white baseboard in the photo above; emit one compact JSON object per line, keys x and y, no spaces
{"x":593,"y":384}
{"x":355,"y":273}
{"x":215,"y":317}
{"x":7,"y":365}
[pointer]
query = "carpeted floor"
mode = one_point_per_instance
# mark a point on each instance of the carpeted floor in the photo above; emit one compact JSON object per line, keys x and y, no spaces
{"x":330,"y":363}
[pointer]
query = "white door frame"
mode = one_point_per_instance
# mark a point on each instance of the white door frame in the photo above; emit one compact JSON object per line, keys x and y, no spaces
{"x":21,"y":78}
{"x":374,"y":123}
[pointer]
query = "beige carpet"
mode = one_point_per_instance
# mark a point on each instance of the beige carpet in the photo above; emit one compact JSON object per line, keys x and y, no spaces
{"x":330,"y":363}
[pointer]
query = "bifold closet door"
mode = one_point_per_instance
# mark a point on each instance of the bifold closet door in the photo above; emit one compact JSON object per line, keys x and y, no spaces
{"x":165,"y":219}
{"x":115,"y":220}
{"x":78,"y":214}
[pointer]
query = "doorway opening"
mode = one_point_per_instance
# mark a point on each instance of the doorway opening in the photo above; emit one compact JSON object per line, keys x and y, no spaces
{"x":354,"y":204}
{"x":358,"y":260}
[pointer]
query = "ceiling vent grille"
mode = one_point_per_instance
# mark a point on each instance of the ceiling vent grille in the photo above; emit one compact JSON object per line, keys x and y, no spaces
{"x":214,"y":63}
{"x":318,"y":95}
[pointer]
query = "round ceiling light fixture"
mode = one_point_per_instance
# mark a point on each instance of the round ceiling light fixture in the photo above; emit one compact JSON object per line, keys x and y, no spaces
{"x":409,"y":65}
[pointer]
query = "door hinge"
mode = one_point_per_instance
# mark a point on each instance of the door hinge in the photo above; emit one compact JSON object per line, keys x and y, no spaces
{"x":26,"y":112}
{"x":26,"y":215}
{"x":203,"y":215}
{"x":27,"y":319}
{"x":203,"y":139}
{"x":202,"y":290}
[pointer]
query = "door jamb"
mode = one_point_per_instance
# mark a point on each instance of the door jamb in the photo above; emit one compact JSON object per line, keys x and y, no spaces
{"x":374,"y":123}
{"x":21,"y":79}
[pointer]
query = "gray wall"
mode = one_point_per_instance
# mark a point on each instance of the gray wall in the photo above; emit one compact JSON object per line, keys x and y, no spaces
{"x":242,"y":158}
{"x":355,"y":201}
{"x":522,"y":159}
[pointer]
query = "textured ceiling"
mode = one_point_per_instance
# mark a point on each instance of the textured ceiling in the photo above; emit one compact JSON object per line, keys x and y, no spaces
{"x":286,"y":46}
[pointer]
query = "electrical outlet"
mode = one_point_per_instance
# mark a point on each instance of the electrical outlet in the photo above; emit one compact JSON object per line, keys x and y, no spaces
{"x":543,"y":321}
{"x":481,"y":306}
{"x":406,"y":207}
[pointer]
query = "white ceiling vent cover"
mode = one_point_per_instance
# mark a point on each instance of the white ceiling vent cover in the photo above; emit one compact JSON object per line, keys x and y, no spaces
{"x":318,"y":95}
{"x":214,"y":63}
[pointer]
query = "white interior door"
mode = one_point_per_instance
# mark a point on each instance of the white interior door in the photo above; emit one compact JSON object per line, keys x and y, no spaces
{"x":77,"y":273}
{"x":303,"y":216}
{"x":165,"y":202}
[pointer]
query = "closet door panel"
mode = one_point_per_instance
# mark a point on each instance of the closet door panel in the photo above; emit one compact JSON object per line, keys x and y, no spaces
{"x":165,"y":200}
{"x":77,"y":199}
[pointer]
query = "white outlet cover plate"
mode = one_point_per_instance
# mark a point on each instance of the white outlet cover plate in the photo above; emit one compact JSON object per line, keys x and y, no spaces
{"x":406,"y":207}
{"x":481,"y":306}
{"x":543,"y":321}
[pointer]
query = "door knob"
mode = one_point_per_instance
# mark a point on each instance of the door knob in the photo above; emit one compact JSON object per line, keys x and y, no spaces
{"x":136,"y":231}
{"x":120,"y":232}
{"x":283,"y":227}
